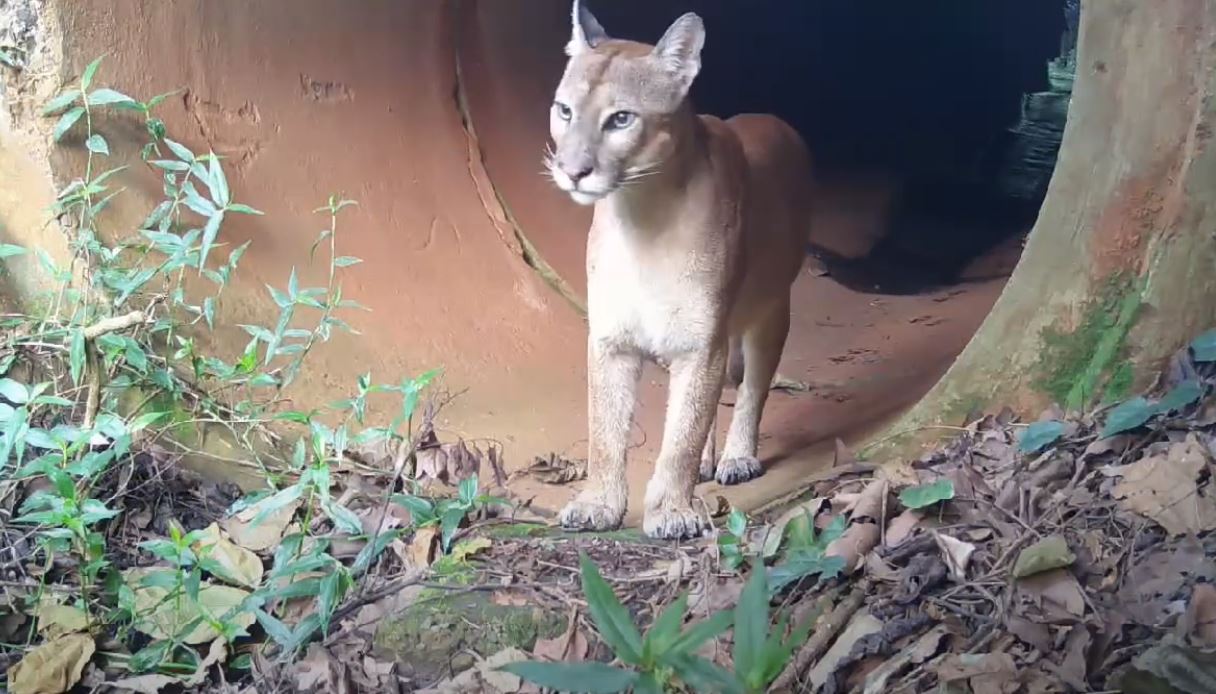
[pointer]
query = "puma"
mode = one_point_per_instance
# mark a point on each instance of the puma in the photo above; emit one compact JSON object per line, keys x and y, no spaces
{"x":698,"y":231}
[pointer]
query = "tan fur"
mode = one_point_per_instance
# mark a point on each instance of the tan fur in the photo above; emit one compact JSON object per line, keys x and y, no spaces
{"x":697,"y":234}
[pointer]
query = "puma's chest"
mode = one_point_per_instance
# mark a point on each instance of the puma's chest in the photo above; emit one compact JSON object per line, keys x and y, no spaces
{"x":647,"y":300}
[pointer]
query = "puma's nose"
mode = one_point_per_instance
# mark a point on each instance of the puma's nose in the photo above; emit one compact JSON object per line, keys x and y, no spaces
{"x":579,"y":173}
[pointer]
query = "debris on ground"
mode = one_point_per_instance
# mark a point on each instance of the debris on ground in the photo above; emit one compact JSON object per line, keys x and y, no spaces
{"x":1074,"y":553}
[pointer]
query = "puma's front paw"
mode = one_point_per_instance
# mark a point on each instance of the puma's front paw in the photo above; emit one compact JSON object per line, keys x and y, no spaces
{"x":738,"y":470}
{"x":591,"y":512}
{"x":670,"y":522}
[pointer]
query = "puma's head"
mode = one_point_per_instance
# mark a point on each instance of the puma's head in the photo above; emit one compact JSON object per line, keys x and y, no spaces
{"x":614,"y":113}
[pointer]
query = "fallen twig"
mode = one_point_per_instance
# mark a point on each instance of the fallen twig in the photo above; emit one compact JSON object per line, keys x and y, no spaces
{"x":827,"y":628}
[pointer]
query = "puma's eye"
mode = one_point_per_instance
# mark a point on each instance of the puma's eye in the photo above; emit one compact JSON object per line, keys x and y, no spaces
{"x":563,"y":111}
{"x":620,"y":120}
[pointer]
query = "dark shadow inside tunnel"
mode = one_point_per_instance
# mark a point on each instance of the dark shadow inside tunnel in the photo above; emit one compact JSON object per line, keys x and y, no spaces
{"x":935,"y":125}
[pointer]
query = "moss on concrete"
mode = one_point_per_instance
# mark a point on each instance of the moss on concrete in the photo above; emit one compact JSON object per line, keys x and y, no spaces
{"x":1075,"y":366}
{"x":436,"y":633}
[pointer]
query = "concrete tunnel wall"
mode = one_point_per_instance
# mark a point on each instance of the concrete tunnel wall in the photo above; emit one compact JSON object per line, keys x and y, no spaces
{"x":432,"y":116}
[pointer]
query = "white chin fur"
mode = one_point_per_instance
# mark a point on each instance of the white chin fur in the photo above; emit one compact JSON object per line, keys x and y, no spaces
{"x":584,"y":198}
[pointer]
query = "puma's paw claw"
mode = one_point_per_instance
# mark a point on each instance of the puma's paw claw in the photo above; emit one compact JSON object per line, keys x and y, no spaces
{"x":670,"y":523}
{"x":738,"y":470}
{"x":590,"y":515}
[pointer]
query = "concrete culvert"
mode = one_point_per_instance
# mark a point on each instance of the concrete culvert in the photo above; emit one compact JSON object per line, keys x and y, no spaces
{"x":935,"y":125}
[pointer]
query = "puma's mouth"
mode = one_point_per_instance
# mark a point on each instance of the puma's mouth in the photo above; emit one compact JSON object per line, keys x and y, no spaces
{"x":584,"y":192}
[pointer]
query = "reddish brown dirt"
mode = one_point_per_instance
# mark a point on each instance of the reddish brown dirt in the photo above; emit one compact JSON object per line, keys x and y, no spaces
{"x":866,"y":356}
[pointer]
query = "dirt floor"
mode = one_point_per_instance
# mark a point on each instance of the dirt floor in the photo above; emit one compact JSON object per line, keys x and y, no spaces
{"x":860,"y":352}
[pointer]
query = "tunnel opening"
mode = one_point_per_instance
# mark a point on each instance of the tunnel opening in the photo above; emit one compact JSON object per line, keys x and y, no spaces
{"x":934,"y":126}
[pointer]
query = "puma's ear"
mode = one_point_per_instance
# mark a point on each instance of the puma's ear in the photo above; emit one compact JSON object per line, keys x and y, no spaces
{"x":679,"y":51}
{"x":587,"y":32}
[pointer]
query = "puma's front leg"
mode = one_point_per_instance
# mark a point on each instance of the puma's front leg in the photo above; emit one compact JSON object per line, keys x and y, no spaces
{"x":612,"y":378}
{"x":692,"y":401}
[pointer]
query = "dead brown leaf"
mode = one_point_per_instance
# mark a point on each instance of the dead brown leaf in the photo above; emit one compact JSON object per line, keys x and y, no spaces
{"x":987,"y":673}
{"x":901,"y":527}
{"x":422,"y":546}
{"x":872,"y":503}
{"x":861,"y":625}
{"x":956,"y":554}
{"x":1163,"y":488}
{"x":570,"y":646}
{"x":54,"y":667}
{"x":856,"y":542}
{"x":843,"y":455}
{"x":234,"y":564}
{"x":1031,"y":633}
{"x":448,"y":463}
{"x":265,"y":534}
{"x":1198,"y":625}
{"x":319,"y":671}
{"x":556,"y":469}
{"x":1056,"y":592}
{"x":56,"y":619}
{"x":143,"y":684}
{"x":1074,"y":669}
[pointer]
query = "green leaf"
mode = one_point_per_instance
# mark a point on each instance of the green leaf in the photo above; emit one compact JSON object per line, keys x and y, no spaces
{"x":665,"y":630}
{"x":329,"y":597}
{"x":66,"y":121}
{"x":703,"y":676}
{"x":344,"y":519}
{"x":1180,"y":396}
{"x":923,"y":495}
{"x":97,"y":144}
{"x":243,"y":209}
{"x":590,"y":676}
{"x":802,"y":564}
{"x":1204,"y":346}
{"x":61,"y":102}
{"x":145,"y":420}
{"x":611,"y":618}
{"x":210,"y":232}
{"x":346,"y":261}
{"x":1040,"y":435}
{"x":76,"y":356}
{"x":1127,"y":416}
{"x":8,"y":250}
{"x":736,"y":523}
{"x":701,"y":632}
{"x":1048,"y":553}
{"x":218,"y":183}
{"x":751,"y":623}
{"x":179,"y":150}
{"x":109,"y":97}
{"x":90,"y":71}
{"x":14,"y":392}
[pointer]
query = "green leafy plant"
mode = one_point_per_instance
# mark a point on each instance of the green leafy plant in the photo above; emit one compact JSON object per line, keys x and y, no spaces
{"x":805,"y":553}
{"x":665,"y":656}
{"x":761,"y":649}
{"x":113,"y":359}
{"x":733,"y":543}
{"x":649,"y":662}
{"x":448,"y":514}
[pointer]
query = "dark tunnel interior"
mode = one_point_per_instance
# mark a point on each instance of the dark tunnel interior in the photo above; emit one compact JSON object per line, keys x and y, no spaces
{"x":927,"y":94}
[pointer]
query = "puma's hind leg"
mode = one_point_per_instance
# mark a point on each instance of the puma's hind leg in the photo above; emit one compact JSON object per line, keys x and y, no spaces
{"x":734,"y":377}
{"x":763,"y":343}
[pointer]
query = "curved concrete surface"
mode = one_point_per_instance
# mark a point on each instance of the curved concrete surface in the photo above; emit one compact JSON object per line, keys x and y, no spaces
{"x":433,"y":115}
